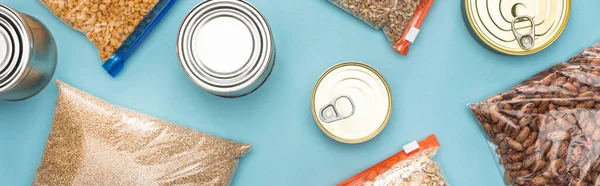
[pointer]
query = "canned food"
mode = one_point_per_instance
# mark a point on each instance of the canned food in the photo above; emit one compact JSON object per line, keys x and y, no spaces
{"x":516,"y":27}
{"x":27,"y":55}
{"x":226,"y":47}
{"x":351,"y":102}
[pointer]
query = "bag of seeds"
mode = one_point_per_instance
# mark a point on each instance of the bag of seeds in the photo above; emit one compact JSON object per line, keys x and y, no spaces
{"x":399,"y":19}
{"x":93,"y":142}
{"x":546,"y":131}
{"x":116,"y":27}
{"x":412,"y":166}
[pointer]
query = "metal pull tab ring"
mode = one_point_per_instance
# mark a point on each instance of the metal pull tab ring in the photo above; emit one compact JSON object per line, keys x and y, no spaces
{"x":329,"y":113}
{"x":526,"y":41}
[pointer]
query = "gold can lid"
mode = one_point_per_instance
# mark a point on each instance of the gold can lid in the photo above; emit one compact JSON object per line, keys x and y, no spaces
{"x":351,"y":102}
{"x":517,"y":27}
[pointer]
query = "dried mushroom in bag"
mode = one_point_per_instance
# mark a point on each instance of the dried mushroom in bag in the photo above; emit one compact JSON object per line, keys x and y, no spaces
{"x":406,"y":168}
{"x":546,"y":131}
{"x":399,"y":19}
{"x":93,"y":142}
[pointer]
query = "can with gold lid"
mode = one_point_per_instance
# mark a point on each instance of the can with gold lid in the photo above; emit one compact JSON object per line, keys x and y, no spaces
{"x":351,"y":102}
{"x":516,"y":27}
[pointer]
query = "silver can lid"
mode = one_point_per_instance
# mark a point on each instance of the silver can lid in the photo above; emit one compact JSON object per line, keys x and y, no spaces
{"x":13,"y":39}
{"x":224,"y":45}
{"x":6,"y":46}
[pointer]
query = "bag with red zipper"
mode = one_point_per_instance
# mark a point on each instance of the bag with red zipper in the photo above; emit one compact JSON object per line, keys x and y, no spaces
{"x":399,"y":19}
{"x":411,"y":167}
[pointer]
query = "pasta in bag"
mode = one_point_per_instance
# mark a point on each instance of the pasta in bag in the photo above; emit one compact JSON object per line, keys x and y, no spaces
{"x":546,"y":131}
{"x":93,"y":142}
{"x":414,"y":168}
{"x":116,"y":27}
{"x":399,"y":19}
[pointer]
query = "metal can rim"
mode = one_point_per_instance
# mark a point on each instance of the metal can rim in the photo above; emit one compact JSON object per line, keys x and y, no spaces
{"x":522,"y":53}
{"x":389,"y":110}
{"x":11,"y":61}
{"x":25,"y":34}
{"x":259,"y":67}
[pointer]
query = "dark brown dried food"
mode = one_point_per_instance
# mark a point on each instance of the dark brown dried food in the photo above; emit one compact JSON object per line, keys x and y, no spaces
{"x":488,"y":130}
{"x":523,"y":134}
{"x":556,"y":165}
{"x":550,"y":124}
{"x":539,"y":165}
{"x":519,"y":173}
{"x":526,"y":120}
{"x":499,"y":138}
{"x":539,"y":180}
{"x":530,"y":139}
{"x":526,"y":109}
{"x":518,"y":156}
{"x":531,"y":149}
{"x":513,"y":144}
{"x":501,"y":151}
{"x":513,"y":166}
{"x":507,"y":178}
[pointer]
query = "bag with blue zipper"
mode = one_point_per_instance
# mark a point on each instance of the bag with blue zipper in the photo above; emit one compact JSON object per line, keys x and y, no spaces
{"x":116,"y":27}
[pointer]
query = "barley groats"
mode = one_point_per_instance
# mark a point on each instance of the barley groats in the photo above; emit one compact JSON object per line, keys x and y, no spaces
{"x":546,"y":131}
{"x":93,"y":142}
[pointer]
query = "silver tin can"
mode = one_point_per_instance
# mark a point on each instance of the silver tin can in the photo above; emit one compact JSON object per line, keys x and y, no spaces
{"x":226,"y":47}
{"x":27,"y":55}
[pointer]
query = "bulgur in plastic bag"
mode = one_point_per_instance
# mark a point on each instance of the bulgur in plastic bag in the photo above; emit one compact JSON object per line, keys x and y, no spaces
{"x":93,"y":142}
{"x":546,"y":131}
{"x":399,"y":19}
{"x":116,"y":27}
{"x":411,"y":167}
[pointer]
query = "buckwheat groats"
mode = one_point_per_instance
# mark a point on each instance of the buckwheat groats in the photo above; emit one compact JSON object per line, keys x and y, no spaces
{"x":93,"y":142}
{"x":546,"y":131}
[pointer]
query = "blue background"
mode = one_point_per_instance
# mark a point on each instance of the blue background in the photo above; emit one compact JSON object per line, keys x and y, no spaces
{"x":446,"y":69}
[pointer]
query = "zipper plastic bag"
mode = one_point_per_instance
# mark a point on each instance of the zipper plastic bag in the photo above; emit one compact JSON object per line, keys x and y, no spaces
{"x":116,"y":27}
{"x":411,"y":167}
{"x":93,"y":142}
{"x":546,"y":131}
{"x":399,"y":19}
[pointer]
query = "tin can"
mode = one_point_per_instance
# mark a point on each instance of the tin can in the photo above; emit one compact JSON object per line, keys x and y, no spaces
{"x":27,"y":55}
{"x":516,"y":27}
{"x":226,"y":47}
{"x":351,"y":102}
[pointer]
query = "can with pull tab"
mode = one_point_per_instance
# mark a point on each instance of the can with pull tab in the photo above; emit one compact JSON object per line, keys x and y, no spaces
{"x":351,"y":102}
{"x":516,"y":27}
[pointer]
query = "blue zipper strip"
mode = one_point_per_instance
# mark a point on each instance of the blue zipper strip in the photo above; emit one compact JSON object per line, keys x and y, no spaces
{"x":115,"y":63}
